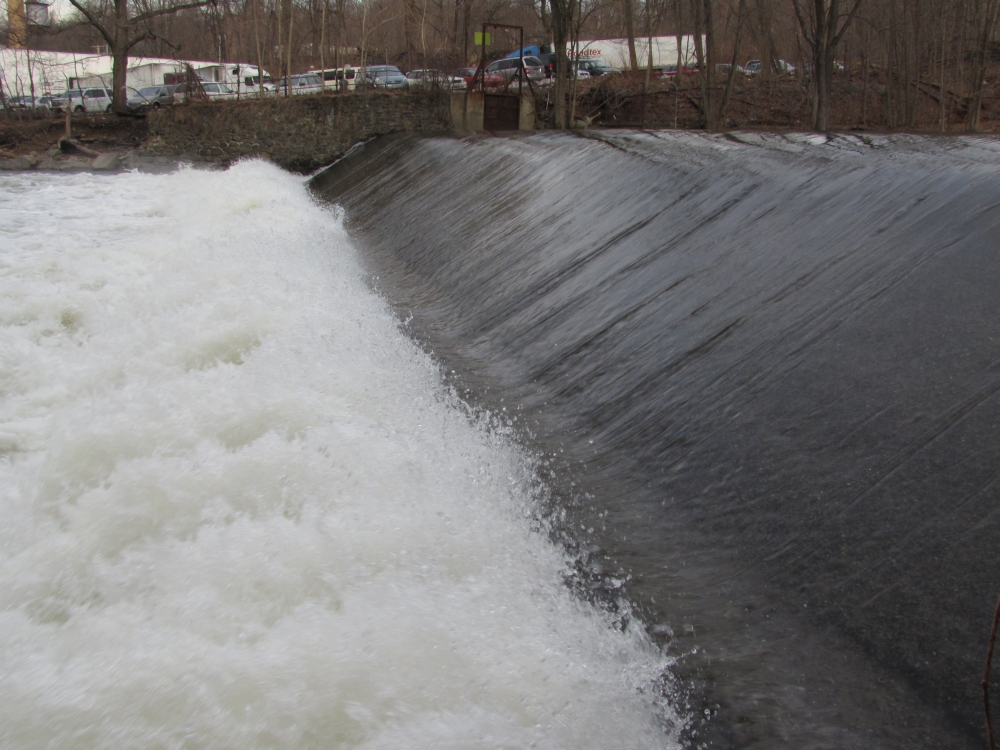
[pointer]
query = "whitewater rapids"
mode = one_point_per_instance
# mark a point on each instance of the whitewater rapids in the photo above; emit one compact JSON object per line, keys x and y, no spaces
{"x":239,"y":507}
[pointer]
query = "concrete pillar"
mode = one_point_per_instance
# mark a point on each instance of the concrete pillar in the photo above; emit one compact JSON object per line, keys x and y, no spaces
{"x":475,"y":103}
{"x":458,"y":111}
{"x":526,"y":114}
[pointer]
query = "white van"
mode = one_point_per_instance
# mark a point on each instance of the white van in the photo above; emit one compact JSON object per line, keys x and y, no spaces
{"x":339,"y":79}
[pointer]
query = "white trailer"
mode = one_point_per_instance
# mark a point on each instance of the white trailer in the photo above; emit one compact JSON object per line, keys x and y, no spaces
{"x":242,"y":78}
{"x":31,"y":72}
{"x":137,"y":76}
{"x":614,"y":52}
{"x":25,"y":72}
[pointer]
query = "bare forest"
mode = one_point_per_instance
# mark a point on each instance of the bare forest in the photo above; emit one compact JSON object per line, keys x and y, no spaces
{"x":890,"y":64}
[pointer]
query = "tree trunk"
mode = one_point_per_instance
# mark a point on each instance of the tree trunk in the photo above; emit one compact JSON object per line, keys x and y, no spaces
{"x":322,"y":45}
{"x":710,"y":118}
{"x":679,"y":20}
{"x":986,"y":19}
{"x":291,"y":21}
{"x":260,"y":53}
{"x":699,"y":18}
{"x":562,"y":18}
{"x":630,"y":32}
{"x":822,"y":35}
{"x":740,"y":15}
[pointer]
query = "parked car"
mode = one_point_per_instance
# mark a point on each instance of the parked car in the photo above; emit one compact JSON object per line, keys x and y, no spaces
{"x":385,"y":77}
{"x":29,"y":102}
{"x":218,"y":90}
{"x":339,"y":78}
{"x":780,"y":66}
{"x":436,"y":78}
{"x":83,"y":100}
{"x":579,"y":74}
{"x":212,"y":91}
{"x":837,"y":67}
{"x":724,"y":68}
{"x":670,"y":71}
{"x":151,"y":97}
{"x":466,"y":74}
{"x":509,"y":69}
{"x":301,"y":83}
{"x":597,"y":68}
{"x":252,"y":86}
{"x":548,"y":61}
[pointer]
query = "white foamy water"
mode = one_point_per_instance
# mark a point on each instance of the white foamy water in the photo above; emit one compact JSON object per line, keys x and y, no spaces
{"x":238,"y":508}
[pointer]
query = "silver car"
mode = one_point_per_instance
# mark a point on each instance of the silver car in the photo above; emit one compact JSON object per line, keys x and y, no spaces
{"x":152,"y":97}
{"x":301,"y":83}
{"x":509,"y":69}
{"x":438,"y":78}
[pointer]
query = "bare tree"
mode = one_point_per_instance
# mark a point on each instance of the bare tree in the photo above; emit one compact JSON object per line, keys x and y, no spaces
{"x":563,"y":12}
{"x":985,"y":20}
{"x":819,"y":24}
{"x":122,"y":32}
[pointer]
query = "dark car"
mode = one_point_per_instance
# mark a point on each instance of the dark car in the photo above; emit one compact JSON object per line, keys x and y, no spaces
{"x":385,"y":77}
{"x":597,"y":68}
{"x":548,"y":61}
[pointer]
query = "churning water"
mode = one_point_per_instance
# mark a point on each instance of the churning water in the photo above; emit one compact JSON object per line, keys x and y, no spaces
{"x":240,"y":508}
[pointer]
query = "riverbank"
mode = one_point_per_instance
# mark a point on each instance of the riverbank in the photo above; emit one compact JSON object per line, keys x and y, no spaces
{"x":96,"y":143}
{"x":307,"y":132}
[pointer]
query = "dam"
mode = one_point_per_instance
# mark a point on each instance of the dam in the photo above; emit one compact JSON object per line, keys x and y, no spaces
{"x":608,"y":439}
{"x":764,"y":373}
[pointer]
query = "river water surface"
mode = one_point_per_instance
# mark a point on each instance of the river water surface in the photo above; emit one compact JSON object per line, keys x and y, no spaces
{"x":240,"y":507}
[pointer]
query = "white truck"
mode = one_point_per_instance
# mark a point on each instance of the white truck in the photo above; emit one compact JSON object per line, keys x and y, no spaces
{"x":614,"y":52}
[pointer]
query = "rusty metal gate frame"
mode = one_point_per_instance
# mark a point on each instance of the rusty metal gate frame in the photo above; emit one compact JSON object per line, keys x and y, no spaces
{"x":479,"y":79}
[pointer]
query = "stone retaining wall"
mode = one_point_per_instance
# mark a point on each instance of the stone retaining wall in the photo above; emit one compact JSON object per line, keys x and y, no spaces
{"x":300,"y":134}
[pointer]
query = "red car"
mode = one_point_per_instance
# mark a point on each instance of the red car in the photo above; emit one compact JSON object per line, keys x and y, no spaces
{"x":466,"y":74}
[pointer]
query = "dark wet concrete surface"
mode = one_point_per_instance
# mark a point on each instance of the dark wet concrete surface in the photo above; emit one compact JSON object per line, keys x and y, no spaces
{"x":766,"y":369}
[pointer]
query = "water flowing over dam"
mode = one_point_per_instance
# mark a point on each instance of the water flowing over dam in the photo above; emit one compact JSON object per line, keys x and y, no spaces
{"x":239,"y":508}
{"x":763,"y":373}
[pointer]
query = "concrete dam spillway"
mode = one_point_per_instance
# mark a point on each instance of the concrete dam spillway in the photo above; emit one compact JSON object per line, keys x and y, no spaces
{"x":765,"y":373}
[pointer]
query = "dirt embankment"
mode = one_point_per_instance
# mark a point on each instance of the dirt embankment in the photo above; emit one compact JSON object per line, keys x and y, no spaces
{"x":858,"y":103}
{"x":20,"y":136}
{"x":96,"y":142}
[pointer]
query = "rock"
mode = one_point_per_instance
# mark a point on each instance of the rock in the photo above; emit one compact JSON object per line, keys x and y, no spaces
{"x":106,"y":161}
{"x":21,"y":162}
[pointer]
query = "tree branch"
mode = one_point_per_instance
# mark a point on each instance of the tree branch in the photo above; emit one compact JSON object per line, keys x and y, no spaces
{"x":136,"y":39}
{"x":850,"y":17}
{"x":163,"y":11}
{"x":94,"y":22}
{"x":802,"y":25}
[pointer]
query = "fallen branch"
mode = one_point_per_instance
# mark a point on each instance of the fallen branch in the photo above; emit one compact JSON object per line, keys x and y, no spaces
{"x":69,"y":146}
{"x":986,"y":679}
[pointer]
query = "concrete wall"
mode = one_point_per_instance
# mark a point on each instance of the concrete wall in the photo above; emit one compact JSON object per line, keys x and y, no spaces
{"x":301,"y":133}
